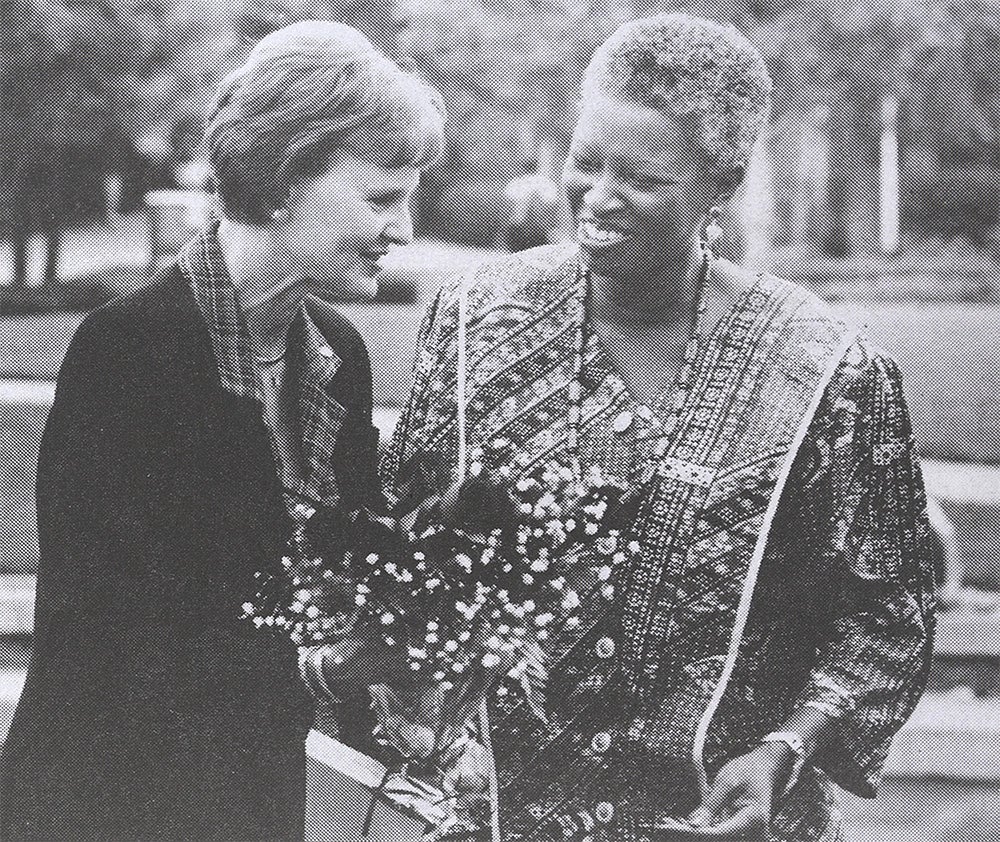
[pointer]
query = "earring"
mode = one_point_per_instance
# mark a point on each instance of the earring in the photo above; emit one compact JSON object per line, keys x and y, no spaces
{"x":713,"y":230}
{"x":280,"y":215}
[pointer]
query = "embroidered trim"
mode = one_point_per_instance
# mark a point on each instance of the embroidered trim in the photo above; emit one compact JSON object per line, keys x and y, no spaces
{"x":885,"y":454}
{"x":743,"y":609}
{"x":829,"y":709}
{"x":827,"y":683}
{"x":689,"y":472}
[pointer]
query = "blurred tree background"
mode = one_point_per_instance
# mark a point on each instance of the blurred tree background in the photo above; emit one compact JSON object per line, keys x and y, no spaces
{"x":103,"y":100}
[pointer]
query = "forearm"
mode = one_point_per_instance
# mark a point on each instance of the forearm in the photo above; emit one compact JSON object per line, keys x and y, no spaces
{"x":816,"y":728}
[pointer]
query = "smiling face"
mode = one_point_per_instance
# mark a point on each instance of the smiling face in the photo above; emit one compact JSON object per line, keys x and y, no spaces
{"x":639,"y":187}
{"x":341,"y":222}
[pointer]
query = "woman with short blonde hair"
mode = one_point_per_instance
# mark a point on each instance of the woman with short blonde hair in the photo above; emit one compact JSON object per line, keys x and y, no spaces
{"x":196,"y":424}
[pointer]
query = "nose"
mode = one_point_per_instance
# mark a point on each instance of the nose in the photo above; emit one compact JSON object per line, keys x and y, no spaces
{"x":600,"y":196}
{"x":399,"y":227}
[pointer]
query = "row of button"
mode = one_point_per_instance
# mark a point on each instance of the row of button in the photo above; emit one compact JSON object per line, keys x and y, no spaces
{"x":604,"y":811}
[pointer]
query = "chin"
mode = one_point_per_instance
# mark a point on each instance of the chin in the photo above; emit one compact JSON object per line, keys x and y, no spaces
{"x":606,"y":261}
{"x":359,"y":292}
{"x":359,"y":287}
{"x":629,"y":261}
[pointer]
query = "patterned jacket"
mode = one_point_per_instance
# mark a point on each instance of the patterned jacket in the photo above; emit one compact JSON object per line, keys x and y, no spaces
{"x":784,"y":549}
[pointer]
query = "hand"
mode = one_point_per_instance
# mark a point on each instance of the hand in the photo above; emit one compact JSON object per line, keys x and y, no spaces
{"x":409,"y":521}
{"x":477,"y":504}
{"x":738,"y":807}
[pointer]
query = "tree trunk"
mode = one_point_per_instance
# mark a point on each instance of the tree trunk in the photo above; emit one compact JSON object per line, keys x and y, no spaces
{"x":20,"y":231}
{"x":853,"y":189}
{"x":56,"y":209}
{"x":53,"y":238}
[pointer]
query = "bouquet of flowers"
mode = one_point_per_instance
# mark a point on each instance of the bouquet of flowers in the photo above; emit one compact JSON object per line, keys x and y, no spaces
{"x":467,"y":599}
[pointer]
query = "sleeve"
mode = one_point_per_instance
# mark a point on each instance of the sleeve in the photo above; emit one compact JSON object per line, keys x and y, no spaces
{"x":51,"y":729}
{"x":875,"y":653}
{"x":80,"y":455}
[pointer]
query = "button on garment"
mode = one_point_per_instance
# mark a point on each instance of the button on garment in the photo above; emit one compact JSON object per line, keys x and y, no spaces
{"x":623,"y":420}
{"x":605,"y":647}
{"x":601,"y":742}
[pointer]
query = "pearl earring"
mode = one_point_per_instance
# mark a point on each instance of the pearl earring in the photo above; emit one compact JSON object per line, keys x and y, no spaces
{"x":713,"y":230}
{"x":280,"y":215}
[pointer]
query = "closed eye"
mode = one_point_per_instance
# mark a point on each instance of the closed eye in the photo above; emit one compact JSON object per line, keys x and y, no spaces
{"x":644,"y":182}
{"x":386,"y":200}
{"x":585,"y":164}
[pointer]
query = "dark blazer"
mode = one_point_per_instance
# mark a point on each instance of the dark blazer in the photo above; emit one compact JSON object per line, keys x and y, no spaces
{"x":151,"y":712}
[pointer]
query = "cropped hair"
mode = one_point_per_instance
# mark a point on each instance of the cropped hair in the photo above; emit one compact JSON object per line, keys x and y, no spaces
{"x":309,"y":92}
{"x":685,"y":66}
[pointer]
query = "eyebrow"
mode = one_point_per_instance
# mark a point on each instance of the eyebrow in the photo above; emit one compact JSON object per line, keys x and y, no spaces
{"x":651,"y":164}
{"x":644,"y":167}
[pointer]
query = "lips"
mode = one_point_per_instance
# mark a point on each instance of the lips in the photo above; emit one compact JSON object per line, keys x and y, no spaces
{"x":598,"y":235}
{"x":373,"y":257}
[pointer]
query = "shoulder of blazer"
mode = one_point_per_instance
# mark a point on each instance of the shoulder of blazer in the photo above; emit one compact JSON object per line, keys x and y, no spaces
{"x":155,"y":331}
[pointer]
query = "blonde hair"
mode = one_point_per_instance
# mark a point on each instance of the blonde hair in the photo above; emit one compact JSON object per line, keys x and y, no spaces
{"x":306,"y":93}
{"x":687,"y":66}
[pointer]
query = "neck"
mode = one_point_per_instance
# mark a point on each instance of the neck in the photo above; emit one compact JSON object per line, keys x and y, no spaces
{"x":641,"y":299}
{"x":261,"y":283}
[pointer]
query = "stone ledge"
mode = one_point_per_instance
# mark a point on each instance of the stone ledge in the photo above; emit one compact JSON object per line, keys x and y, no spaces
{"x":950,"y":735}
{"x":968,"y":633}
{"x":962,"y":482}
{"x":17,"y":604}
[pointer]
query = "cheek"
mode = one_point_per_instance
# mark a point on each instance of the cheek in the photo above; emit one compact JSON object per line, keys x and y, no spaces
{"x":670,"y":219}
{"x":333,"y":229}
{"x":344,"y":220}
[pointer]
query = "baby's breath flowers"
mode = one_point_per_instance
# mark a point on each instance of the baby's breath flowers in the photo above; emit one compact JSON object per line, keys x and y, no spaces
{"x":471,"y":610}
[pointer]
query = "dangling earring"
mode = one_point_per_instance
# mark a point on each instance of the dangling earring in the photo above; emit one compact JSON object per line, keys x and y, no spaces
{"x":280,"y":215}
{"x":713,"y":230}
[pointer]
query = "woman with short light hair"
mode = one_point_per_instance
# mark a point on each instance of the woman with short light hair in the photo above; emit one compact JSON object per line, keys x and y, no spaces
{"x":197,"y":423}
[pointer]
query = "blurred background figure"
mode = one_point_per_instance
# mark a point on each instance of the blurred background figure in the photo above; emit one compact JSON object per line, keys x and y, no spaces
{"x":534,"y":207}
